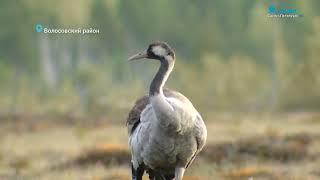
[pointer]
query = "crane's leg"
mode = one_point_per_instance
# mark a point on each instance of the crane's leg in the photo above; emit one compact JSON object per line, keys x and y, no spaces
{"x":179,"y":172}
{"x":157,"y":176}
{"x":137,"y":173}
{"x":170,"y":177}
{"x":151,"y":175}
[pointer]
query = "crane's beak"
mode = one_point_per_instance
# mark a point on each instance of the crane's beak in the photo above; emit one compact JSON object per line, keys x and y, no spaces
{"x":140,"y":55}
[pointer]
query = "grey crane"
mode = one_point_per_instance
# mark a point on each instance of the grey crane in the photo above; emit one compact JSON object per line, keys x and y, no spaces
{"x":165,"y":131}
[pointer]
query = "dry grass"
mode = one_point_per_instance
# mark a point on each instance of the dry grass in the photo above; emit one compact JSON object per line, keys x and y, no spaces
{"x":107,"y":154}
{"x":239,"y":147}
{"x":249,"y":172}
{"x":294,"y":147}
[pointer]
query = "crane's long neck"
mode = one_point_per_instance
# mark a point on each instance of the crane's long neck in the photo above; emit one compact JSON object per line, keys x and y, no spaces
{"x":161,"y":77}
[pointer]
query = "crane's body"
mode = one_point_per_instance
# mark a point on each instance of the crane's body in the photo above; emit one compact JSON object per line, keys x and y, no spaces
{"x":165,"y":131}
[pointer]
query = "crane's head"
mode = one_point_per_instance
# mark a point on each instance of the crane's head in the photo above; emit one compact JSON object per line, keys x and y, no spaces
{"x":157,"y":50}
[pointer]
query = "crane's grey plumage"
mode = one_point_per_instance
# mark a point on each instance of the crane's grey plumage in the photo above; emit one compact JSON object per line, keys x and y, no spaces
{"x":165,"y":131}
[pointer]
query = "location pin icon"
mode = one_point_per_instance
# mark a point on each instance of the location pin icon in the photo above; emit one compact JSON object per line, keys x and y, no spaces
{"x":38,"y":28}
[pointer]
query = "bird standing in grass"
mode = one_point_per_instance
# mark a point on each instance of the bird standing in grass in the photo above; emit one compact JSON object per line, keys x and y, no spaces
{"x":165,"y":131}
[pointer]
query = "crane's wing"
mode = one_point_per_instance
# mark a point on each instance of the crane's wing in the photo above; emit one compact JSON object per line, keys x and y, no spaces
{"x":133,"y":119}
{"x":200,"y":132}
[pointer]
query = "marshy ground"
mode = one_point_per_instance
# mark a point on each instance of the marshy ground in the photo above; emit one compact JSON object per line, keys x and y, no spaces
{"x":240,"y":146}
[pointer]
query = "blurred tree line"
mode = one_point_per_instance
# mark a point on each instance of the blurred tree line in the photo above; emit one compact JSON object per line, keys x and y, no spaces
{"x":231,"y":56}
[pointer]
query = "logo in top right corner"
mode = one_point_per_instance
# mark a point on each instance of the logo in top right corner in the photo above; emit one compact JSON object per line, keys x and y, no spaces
{"x":283,"y":11}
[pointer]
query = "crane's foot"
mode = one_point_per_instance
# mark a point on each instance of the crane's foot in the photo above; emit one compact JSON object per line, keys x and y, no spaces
{"x":137,"y":173}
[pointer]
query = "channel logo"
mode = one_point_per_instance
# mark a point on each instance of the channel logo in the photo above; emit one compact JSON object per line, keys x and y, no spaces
{"x":283,"y":10}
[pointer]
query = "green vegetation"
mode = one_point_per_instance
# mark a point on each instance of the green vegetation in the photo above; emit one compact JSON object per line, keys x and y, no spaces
{"x":241,"y":59}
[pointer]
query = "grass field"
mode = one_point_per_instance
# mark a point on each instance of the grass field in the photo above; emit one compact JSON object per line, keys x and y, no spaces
{"x":240,"y":146}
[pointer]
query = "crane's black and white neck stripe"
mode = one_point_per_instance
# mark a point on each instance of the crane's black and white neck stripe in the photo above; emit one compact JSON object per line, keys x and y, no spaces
{"x":163,"y":52}
{"x":156,"y":87}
